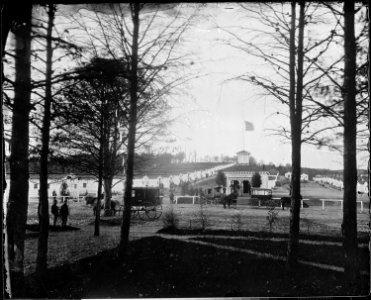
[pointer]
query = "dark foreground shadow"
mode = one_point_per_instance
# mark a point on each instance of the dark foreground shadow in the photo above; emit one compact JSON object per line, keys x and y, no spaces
{"x":158,"y":267}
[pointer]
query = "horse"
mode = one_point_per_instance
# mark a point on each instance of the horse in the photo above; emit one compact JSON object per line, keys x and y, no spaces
{"x":227,"y":199}
{"x":287,"y":201}
{"x":114,"y":203}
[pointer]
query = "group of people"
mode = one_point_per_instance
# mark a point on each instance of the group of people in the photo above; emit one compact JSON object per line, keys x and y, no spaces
{"x":62,"y":212}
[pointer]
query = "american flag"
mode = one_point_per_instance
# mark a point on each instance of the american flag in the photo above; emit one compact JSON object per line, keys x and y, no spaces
{"x":249,"y":126}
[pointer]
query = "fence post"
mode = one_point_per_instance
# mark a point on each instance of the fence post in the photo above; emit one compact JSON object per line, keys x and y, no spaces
{"x":323,"y":203}
{"x":361,"y":206}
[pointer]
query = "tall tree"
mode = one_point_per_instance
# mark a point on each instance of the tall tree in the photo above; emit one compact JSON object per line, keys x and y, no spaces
{"x":102,"y":141}
{"x":39,"y":87}
{"x":272,"y":47}
{"x":16,"y":217}
{"x":94,"y":121}
{"x":139,"y":34}
{"x":331,"y":87}
{"x":133,"y":89}
{"x":292,"y":65}
{"x":349,"y":224}
{"x":296,"y":106}
{"x":43,"y":211}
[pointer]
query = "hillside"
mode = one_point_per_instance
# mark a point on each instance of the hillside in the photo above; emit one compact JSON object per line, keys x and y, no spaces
{"x":158,"y":166}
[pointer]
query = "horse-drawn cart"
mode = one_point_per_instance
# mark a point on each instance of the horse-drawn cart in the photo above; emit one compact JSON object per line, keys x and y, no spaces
{"x":263,"y":196}
{"x":146,"y":202}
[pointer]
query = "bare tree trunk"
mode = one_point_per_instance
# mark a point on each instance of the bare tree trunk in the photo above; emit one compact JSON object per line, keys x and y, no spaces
{"x":101,"y":161}
{"x":98,"y":204}
{"x":42,"y":251}
{"x":6,"y":22}
{"x":108,"y":167}
{"x":8,"y":16}
{"x":100,"y":180}
{"x":349,"y":225}
{"x":107,"y":195}
{"x":110,"y":163}
{"x":18,"y":194}
{"x":125,"y":226}
{"x":296,"y":123}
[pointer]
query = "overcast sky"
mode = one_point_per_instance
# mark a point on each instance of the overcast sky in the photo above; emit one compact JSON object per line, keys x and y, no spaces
{"x":211,"y":112}
{"x":213,"y":121}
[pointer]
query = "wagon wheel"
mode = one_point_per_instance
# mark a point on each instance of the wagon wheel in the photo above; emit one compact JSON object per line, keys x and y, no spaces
{"x":134,"y":211}
{"x":142,"y":212}
{"x":158,"y":211}
{"x":150,"y":211}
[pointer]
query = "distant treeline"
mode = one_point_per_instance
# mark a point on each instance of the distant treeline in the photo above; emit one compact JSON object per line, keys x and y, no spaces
{"x":144,"y":163}
{"x":167,"y":162}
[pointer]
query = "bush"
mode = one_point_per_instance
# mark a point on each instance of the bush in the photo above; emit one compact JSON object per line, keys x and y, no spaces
{"x":237,"y":222}
{"x":221,"y":179}
{"x":272,"y":216}
{"x":256,"y":180}
{"x":170,"y":218}
{"x":201,"y":218}
{"x":64,"y":189}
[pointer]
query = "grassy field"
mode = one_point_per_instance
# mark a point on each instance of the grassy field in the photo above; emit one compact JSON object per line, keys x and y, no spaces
{"x":313,"y":190}
{"x":200,"y":266}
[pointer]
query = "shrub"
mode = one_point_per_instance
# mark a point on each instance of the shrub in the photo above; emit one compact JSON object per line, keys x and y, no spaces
{"x":256,"y":180}
{"x":64,"y":189}
{"x":221,"y":179}
{"x":170,"y":218}
{"x":272,"y":216}
{"x":237,"y":221}
{"x":201,"y":218}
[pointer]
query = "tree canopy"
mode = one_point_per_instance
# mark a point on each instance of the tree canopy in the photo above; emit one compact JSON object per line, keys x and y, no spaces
{"x":256,"y":180}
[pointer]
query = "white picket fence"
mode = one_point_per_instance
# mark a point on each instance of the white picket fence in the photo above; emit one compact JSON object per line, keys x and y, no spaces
{"x":341,"y":202}
{"x":195,"y":199}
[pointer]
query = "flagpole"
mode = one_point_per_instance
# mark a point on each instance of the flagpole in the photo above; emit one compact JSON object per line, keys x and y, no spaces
{"x":243,"y":139}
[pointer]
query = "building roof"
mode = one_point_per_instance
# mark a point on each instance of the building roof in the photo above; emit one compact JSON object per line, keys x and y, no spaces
{"x":243,"y":152}
{"x":244,"y":168}
{"x":175,"y":169}
{"x":60,"y":176}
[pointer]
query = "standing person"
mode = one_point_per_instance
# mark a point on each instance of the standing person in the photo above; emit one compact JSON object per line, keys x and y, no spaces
{"x":223,"y":200}
{"x":55,"y":212}
{"x":54,"y":195}
{"x":64,"y":213}
{"x":171,"y":197}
